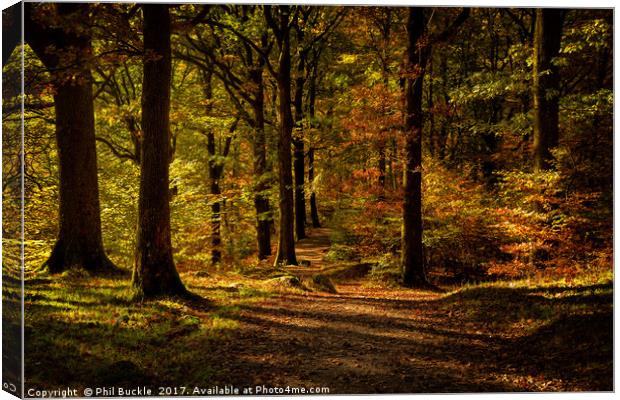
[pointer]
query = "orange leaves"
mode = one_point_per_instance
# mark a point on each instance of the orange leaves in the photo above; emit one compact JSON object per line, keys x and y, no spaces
{"x":366,"y":174}
{"x":412,"y":72}
{"x":551,"y":233}
{"x":376,"y":113}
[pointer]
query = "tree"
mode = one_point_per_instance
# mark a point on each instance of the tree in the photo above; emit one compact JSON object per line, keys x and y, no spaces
{"x":547,"y":39}
{"x":382,"y":20}
{"x":216,"y":169}
{"x":312,"y":27}
{"x":154,"y":270}
{"x":298,"y":137}
{"x":418,"y":49}
{"x":280,"y":24}
{"x":209,"y":52}
{"x":412,"y":249}
{"x":79,"y":242}
{"x":312,"y":89}
{"x":119,"y":91}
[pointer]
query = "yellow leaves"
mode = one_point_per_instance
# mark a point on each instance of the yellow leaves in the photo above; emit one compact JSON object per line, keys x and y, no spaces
{"x":347,"y":59}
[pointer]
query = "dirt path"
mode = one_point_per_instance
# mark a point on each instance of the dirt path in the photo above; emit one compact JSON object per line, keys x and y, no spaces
{"x":371,"y":340}
{"x":355,"y":343}
{"x":311,"y":251}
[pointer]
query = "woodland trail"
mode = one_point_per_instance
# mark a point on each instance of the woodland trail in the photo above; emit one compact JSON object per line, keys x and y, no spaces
{"x":366,"y":339}
{"x":312,"y":250}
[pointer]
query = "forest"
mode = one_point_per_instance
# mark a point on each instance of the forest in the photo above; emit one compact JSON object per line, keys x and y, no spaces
{"x":329,"y":199}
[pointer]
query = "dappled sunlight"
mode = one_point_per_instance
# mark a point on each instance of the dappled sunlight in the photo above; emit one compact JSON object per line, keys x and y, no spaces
{"x":370,"y":200}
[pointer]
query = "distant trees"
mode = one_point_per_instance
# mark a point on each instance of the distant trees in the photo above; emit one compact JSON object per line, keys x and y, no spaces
{"x":383,"y":19}
{"x":547,"y":40}
{"x":312,"y":27}
{"x":209,"y":46}
{"x":259,"y":93}
{"x":216,"y":169}
{"x":154,"y":270}
{"x":245,"y":85}
{"x":298,"y":134}
{"x":312,"y":69}
{"x":66,"y":51}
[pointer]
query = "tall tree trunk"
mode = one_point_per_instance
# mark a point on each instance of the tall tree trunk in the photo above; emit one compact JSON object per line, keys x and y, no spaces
{"x":489,"y":137}
{"x":264,"y":217}
{"x":442,"y":140}
{"x":384,"y":56}
{"x":547,"y":39}
{"x":216,"y":169}
{"x":286,"y":243}
{"x":431,"y":112}
{"x":413,"y":267}
{"x":314,"y":212}
{"x":382,"y":167}
{"x":79,"y":242}
{"x":298,"y":145}
{"x":154,"y":270}
{"x":215,"y":173}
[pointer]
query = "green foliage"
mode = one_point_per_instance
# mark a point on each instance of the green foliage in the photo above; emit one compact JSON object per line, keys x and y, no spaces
{"x":387,"y":271}
{"x":340,"y":253}
{"x":586,"y":161}
{"x":79,"y":328}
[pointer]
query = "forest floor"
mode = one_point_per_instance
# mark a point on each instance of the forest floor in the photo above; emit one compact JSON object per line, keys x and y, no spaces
{"x":365,"y":338}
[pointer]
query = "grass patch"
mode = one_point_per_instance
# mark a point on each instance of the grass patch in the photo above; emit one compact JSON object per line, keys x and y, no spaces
{"x":529,"y":305}
{"x":340,"y":252}
{"x":80,"y":331}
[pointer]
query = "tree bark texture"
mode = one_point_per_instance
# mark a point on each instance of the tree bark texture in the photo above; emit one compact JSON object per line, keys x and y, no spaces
{"x":286,"y":243}
{"x":261,"y":199}
{"x":314,"y":211}
{"x":547,"y":40}
{"x":413,"y":268}
{"x":298,"y":159}
{"x":154,"y":270}
{"x":216,"y":169}
{"x":79,"y":242}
